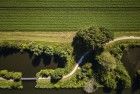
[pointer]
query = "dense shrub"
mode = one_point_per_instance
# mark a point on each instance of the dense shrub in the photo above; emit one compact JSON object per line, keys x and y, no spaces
{"x":80,"y":76}
{"x":48,"y":50}
{"x":55,"y":78}
{"x":87,"y":69}
{"x":57,"y":75}
{"x":36,"y":49}
{"x":3,"y":73}
{"x":106,"y":60}
{"x":86,"y":72}
{"x":107,"y":79}
{"x":122,"y":77}
{"x":117,"y":51}
{"x":44,"y":73}
{"x":110,"y":71}
{"x":16,"y":85}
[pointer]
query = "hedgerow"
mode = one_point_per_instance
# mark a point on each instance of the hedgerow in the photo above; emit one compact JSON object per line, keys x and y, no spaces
{"x":10,"y":75}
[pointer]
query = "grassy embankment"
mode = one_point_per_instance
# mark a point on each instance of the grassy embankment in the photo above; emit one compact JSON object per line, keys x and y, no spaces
{"x":50,"y":39}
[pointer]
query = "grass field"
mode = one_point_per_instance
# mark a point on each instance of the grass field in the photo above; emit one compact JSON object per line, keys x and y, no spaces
{"x":69,"y":15}
{"x":69,"y":3}
{"x":68,"y":19}
{"x":59,"y":37}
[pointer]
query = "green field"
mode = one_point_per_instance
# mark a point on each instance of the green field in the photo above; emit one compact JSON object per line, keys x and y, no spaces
{"x":69,"y":3}
{"x":69,"y":15}
{"x":68,"y":19}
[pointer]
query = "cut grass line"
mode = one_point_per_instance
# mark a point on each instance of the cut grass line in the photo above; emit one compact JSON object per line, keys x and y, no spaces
{"x":60,"y":37}
{"x":124,"y":33}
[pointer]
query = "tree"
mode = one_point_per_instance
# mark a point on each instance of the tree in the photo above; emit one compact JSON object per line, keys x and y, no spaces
{"x":93,"y":37}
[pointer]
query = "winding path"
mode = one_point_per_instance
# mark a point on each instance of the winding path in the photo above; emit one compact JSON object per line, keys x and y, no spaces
{"x":76,"y":66}
{"x":81,"y":59}
{"x":123,"y":38}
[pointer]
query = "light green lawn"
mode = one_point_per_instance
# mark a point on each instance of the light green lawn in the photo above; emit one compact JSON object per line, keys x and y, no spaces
{"x":61,"y":37}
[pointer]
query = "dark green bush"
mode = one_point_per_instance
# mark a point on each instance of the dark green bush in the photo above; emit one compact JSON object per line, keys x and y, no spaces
{"x":55,"y":78}
{"x":122,"y":77}
{"x":87,"y":70}
{"x":36,"y":49}
{"x":16,"y":85}
{"x":48,"y":50}
{"x":3,"y":73}
{"x":106,"y":60}
{"x":45,"y":73}
{"x":57,"y":75}
{"x":117,"y":52}
{"x":81,"y":76}
{"x":107,"y":79}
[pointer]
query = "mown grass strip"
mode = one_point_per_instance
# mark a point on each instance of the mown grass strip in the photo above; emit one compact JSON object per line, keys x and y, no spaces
{"x":60,"y":37}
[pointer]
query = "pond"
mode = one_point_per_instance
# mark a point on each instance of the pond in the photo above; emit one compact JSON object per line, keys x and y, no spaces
{"x":23,"y":62}
{"x":131,"y":60}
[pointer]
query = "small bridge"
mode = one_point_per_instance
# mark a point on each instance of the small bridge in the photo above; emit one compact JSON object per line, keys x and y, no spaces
{"x":28,"y":79}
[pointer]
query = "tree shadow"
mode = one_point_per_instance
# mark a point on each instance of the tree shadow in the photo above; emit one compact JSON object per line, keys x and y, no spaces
{"x":46,"y":60}
{"x":107,"y":90}
{"x":78,"y":48}
{"x":61,"y":62}
{"x":136,"y":83}
{"x":36,"y":61}
{"x":5,"y":51}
